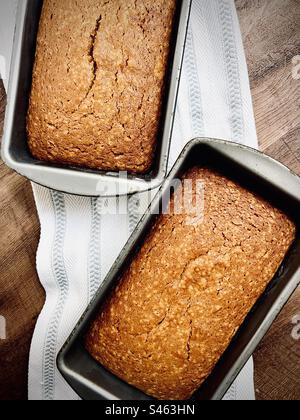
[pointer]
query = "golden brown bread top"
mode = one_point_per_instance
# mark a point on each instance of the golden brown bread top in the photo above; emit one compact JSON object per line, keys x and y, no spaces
{"x":189,"y":289}
{"x":98,"y":82}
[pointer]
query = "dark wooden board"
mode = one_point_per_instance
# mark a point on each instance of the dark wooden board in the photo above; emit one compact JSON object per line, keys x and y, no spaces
{"x":21,"y":296}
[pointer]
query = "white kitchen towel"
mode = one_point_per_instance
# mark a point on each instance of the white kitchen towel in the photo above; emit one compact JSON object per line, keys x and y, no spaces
{"x":80,"y":238}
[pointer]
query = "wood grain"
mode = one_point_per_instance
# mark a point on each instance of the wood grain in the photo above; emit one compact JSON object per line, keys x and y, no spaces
{"x":21,"y":296}
{"x":277,"y":360}
{"x":271,"y":33}
{"x":270,"y":30}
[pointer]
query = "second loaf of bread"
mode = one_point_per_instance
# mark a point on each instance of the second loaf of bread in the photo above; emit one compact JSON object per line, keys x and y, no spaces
{"x":189,"y":289}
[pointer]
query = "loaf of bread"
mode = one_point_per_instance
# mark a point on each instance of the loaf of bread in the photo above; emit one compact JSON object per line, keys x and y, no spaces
{"x":98,"y":82}
{"x":189,"y":289}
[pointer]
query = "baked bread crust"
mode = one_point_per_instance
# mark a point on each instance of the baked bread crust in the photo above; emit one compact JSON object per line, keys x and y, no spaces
{"x":98,"y":82}
{"x":189,"y":289}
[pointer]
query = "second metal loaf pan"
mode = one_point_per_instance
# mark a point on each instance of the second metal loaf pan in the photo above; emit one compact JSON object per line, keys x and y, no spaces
{"x":251,"y":169}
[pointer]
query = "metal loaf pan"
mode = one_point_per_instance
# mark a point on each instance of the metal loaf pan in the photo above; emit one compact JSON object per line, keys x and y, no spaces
{"x":15,"y":152}
{"x":256,"y":172}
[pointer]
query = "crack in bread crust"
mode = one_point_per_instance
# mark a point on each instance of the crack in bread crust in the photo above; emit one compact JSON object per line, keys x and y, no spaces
{"x":92,"y":59}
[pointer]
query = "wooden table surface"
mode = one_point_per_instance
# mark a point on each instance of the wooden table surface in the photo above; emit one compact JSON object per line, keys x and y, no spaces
{"x":271,"y":33}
